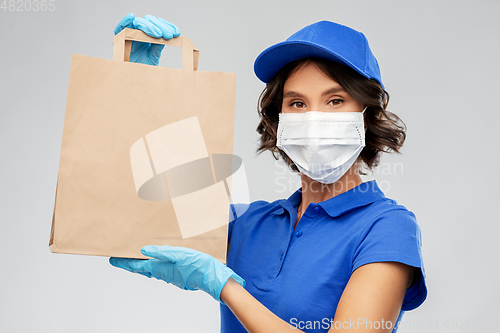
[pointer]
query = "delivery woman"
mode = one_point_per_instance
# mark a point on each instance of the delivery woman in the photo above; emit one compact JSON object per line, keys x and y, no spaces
{"x":337,"y":255}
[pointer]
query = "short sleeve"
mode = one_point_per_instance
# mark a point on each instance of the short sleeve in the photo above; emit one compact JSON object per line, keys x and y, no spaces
{"x":395,"y":236}
{"x":235,"y":211}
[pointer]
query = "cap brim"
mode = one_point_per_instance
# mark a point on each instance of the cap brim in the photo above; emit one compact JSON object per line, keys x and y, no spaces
{"x":272,"y":59}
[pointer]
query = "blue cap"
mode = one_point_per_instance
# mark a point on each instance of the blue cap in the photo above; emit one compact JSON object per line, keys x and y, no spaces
{"x":323,"y":39}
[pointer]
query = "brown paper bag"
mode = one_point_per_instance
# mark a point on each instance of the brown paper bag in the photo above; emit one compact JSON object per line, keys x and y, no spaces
{"x":146,"y":155}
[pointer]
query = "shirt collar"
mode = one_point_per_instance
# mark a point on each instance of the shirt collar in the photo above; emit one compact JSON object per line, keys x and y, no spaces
{"x":361,"y":195}
{"x":291,"y":203}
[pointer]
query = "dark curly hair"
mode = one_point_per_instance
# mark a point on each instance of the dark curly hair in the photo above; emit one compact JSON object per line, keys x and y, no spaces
{"x":385,"y":132}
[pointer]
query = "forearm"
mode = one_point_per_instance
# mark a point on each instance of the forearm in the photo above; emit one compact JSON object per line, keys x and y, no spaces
{"x":252,"y":314}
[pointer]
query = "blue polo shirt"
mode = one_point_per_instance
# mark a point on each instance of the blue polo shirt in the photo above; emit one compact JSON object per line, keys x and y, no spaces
{"x":300,"y":274}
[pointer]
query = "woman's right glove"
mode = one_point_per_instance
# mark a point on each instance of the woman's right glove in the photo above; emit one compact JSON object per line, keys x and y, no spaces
{"x":147,"y":53}
{"x":185,"y":268}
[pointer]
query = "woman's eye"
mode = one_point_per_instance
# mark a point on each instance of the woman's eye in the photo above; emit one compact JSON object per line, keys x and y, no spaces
{"x":336,"y":101}
{"x":298,"y":105}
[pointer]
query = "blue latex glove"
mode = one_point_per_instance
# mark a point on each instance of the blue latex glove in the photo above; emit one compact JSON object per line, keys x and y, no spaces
{"x":147,"y":53}
{"x":185,"y":268}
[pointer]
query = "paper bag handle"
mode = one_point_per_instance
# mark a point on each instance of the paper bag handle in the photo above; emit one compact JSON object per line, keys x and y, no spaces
{"x":123,"y":43}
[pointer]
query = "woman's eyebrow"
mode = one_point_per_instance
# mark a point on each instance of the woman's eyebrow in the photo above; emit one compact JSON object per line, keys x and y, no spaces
{"x":333,"y":90}
{"x":330,"y":91}
{"x":292,"y":94}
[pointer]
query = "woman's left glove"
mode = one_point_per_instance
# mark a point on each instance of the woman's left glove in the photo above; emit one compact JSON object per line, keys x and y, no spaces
{"x":185,"y":268}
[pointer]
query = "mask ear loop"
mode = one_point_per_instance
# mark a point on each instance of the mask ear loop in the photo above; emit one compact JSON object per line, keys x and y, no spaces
{"x":362,"y":112}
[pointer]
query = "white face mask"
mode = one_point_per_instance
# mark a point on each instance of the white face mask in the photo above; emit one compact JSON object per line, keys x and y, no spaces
{"x":323,"y":145}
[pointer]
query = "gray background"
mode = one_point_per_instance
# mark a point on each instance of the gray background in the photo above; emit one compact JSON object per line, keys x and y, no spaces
{"x":439,"y":62}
